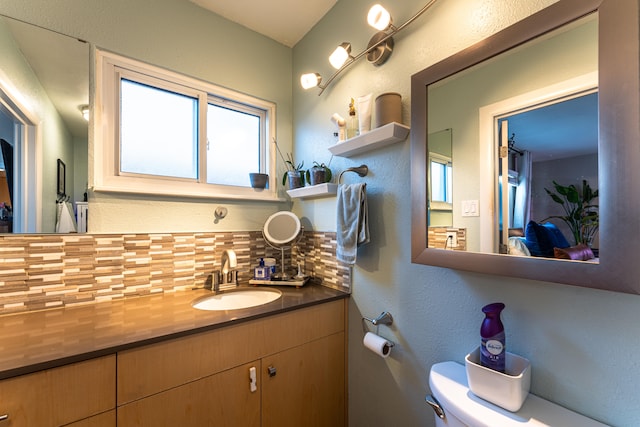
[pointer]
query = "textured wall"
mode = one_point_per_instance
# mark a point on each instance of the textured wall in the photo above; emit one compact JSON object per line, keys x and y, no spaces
{"x":579,"y":341}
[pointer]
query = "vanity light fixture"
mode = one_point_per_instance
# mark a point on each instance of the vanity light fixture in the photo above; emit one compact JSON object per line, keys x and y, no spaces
{"x":379,"y":18}
{"x":340,"y":55}
{"x":378,"y":49}
{"x":307,"y":81}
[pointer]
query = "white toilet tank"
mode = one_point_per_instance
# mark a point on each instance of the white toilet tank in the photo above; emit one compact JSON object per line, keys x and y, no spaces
{"x":448,"y":382}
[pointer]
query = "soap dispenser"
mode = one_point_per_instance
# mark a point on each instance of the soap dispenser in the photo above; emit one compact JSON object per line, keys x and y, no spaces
{"x":260,"y":272}
{"x":492,"y":349}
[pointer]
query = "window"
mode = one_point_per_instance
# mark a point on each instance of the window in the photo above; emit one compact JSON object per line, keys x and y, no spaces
{"x":234,"y":147}
{"x":165,"y":133}
{"x":145,"y":147}
{"x":441,"y":182}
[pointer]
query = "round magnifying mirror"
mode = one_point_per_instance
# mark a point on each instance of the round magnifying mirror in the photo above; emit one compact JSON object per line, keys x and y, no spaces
{"x":280,"y":231}
{"x":282,"y":228}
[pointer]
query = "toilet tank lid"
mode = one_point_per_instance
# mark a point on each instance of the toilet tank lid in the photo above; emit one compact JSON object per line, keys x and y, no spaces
{"x":448,"y":383}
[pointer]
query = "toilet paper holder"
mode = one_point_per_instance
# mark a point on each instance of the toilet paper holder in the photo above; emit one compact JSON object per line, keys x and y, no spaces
{"x":385,"y":318}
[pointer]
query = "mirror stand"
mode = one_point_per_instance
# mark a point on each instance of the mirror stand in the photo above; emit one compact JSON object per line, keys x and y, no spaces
{"x":281,"y":231}
{"x":283,"y":275}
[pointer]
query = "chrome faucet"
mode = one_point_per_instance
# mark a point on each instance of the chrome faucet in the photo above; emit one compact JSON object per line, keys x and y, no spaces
{"x":229,"y":267}
{"x":227,"y":276}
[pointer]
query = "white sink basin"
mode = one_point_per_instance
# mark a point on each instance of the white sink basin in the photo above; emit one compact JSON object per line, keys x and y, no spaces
{"x":237,"y":299}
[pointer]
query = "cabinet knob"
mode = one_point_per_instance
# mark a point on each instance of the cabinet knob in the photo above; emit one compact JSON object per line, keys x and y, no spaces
{"x":4,"y":417}
{"x":272,"y":371}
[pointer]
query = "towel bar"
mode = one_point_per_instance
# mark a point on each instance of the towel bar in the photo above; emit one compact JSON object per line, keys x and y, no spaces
{"x":361,"y":170}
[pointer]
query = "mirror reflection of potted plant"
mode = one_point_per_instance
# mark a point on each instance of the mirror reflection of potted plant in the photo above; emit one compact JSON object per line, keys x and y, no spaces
{"x":581,"y":216}
{"x":294,"y":174}
{"x":319,"y":174}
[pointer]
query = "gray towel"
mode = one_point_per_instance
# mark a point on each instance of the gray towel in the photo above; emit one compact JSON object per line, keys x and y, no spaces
{"x":351,"y":222}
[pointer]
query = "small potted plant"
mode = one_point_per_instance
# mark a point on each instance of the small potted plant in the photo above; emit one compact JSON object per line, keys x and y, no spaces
{"x":294,"y":174}
{"x":258,"y":180}
{"x":319,"y":174}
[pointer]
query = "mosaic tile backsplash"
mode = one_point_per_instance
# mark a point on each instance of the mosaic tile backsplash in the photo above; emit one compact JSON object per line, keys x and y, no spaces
{"x":48,"y":271}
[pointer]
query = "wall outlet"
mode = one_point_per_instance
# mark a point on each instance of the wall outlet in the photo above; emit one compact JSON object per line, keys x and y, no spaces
{"x":470,"y":208}
{"x":452,"y":239}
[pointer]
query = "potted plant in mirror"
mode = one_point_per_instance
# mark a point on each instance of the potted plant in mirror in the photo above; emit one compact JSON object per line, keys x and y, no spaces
{"x":581,"y":215}
{"x":294,"y":174}
{"x":319,"y":174}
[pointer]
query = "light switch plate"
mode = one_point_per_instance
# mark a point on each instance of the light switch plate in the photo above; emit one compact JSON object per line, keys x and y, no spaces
{"x":470,"y":208}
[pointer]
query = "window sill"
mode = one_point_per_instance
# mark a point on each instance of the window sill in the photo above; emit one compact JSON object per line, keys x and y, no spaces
{"x":190,"y":190}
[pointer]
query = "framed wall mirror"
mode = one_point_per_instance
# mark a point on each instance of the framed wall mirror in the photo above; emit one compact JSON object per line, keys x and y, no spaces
{"x":512,"y":177}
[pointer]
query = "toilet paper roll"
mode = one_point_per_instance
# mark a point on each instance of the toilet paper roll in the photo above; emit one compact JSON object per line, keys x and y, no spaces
{"x":377,"y":344}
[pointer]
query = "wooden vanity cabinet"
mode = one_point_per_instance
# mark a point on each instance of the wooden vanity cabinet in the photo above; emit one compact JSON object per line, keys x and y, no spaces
{"x":304,"y":386}
{"x":80,"y":394}
{"x":223,"y":399}
{"x":203,"y":379}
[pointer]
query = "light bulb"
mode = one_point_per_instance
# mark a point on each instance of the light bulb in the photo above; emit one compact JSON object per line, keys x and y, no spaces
{"x":379,"y":18}
{"x":309,"y":80}
{"x":340,"y":55}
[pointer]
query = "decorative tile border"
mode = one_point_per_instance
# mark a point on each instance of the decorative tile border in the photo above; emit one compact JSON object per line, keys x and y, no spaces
{"x":47,"y":271}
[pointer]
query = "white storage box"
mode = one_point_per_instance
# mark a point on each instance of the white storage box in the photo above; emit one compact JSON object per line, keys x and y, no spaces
{"x":508,"y":390}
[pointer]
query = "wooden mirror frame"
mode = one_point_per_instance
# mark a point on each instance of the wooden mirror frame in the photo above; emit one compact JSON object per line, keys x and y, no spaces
{"x":618,"y":148}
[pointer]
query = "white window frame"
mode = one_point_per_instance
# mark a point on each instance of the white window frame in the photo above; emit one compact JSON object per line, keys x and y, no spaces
{"x":105,"y":153}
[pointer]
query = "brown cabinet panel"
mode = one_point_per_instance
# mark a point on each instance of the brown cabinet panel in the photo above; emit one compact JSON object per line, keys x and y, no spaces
{"x":61,"y":395}
{"x":308,"y":386}
{"x":223,"y":399}
{"x":154,"y":368}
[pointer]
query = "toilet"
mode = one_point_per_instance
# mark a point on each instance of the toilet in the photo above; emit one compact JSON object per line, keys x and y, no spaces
{"x":459,"y":407}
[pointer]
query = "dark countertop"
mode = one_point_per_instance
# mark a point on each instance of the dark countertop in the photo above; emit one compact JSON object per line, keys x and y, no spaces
{"x":45,"y":339}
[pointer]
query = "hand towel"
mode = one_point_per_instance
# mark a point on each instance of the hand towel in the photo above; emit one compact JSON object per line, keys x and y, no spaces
{"x":66,"y":222}
{"x":351,"y":222}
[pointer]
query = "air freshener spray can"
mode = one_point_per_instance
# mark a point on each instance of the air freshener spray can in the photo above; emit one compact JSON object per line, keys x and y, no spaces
{"x":492,"y":350}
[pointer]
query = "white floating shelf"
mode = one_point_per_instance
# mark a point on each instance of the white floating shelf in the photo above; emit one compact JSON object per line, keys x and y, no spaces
{"x":374,"y":139}
{"x":321,"y":190}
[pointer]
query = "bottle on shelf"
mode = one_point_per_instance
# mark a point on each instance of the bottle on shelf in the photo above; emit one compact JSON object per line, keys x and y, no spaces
{"x":352,"y":122}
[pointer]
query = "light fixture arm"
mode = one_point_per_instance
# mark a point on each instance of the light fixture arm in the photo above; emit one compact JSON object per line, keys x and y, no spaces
{"x":416,"y":16}
{"x":394,"y":31}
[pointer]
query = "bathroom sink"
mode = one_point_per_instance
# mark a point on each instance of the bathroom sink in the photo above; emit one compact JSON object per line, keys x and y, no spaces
{"x":236,"y":299}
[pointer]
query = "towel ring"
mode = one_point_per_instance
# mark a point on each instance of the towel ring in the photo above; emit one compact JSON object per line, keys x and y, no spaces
{"x":361,"y":170}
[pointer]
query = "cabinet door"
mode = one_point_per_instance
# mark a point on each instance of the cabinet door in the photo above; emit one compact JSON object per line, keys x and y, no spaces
{"x":305,"y":385}
{"x":61,"y":395}
{"x":223,"y":399}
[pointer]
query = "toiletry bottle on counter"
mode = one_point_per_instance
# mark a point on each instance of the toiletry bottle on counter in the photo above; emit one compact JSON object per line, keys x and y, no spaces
{"x":352,"y":122}
{"x":261,"y":272}
{"x":270,"y":265}
{"x":492,"y":349}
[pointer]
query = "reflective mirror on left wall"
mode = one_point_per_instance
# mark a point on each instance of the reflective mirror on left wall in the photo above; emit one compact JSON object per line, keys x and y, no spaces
{"x":44,"y":85}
